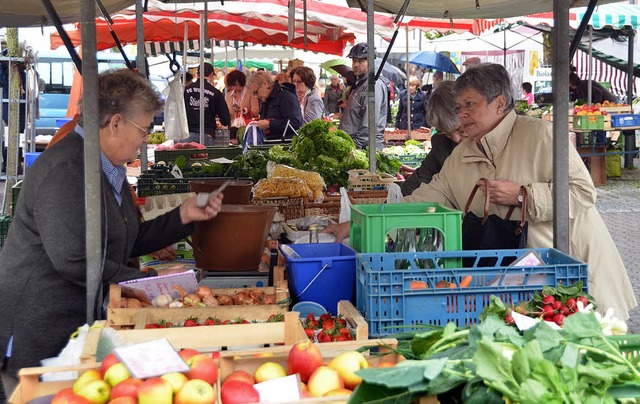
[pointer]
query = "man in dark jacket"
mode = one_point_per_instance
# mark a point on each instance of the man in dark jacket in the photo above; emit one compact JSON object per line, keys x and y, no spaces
{"x":280,"y":113}
{"x":214,"y":106}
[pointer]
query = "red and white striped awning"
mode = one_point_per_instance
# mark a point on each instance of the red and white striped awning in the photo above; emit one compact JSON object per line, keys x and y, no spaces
{"x":603,"y":72}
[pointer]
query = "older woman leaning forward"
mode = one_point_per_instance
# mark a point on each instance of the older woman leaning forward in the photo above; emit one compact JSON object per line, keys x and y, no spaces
{"x":514,"y":151}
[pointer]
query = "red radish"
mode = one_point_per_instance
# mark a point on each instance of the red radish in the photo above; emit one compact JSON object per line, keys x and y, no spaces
{"x":571,"y":304}
{"x":548,"y":299}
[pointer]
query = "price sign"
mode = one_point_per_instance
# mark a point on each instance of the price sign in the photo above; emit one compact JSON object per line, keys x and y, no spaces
{"x":149,"y":359}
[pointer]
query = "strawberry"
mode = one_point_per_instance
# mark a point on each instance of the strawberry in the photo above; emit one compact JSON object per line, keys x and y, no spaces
{"x":328,"y":325}
{"x":152,"y":325}
{"x":211,"y":321}
{"x":310,"y":333}
{"x":313,"y":324}
{"x":325,"y":317}
{"x":341,"y":338}
{"x":310,"y":317}
{"x":344,"y":331}
{"x":275,"y":318}
{"x":191,"y":322}
{"x":341,"y":321}
{"x":324,"y":337}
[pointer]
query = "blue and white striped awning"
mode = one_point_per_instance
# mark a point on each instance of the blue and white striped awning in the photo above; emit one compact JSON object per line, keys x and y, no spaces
{"x":615,"y":15}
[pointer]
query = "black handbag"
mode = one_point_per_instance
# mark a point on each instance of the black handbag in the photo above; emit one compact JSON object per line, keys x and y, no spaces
{"x":492,"y":232}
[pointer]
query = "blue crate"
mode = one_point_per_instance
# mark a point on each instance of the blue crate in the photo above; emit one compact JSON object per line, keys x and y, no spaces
{"x":624,"y":120}
{"x":386,"y":300}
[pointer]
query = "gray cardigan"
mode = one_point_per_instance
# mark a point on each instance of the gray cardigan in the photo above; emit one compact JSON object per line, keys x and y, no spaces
{"x":43,"y":262}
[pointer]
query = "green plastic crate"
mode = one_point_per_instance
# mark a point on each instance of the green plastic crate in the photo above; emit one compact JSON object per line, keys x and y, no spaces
{"x":588,"y":122}
{"x":412,"y":160}
{"x":15,"y":194}
{"x":5,"y":221}
{"x":169,"y":156}
{"x":371,"y":223}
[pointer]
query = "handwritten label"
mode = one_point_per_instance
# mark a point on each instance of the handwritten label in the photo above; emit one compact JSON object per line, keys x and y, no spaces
{"x":281,"y":390}
{"x":149,"y":359}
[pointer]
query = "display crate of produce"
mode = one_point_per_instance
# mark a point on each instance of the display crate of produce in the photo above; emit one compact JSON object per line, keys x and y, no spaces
{"x":330,"y":206}
{"x":421,"y":134}
{"x":368,"y":197}
{"x":393,"y":134}
{"x":371,"y":223}
{"x":288,"y":208}
{"x":170,"y":156}
{"x":411,"y":160}
{"x":5,"y":221}
{"x":14,"y":196}
{"x":395,"y":301}
{"x":363,"y":180}
{"x":127,"y":317}
{"x":150,"y":185}
{"x":624,"y":120}
{"x":629,"y":346}
{"x":356,"y":323}
{"x":623,"y":109}
{"x":588,"y":122}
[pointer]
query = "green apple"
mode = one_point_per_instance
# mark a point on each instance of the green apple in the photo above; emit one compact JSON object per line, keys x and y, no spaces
{"x":176,"y":379}
{"x":268,"y":371}
{"x":346,"y":364}
{"x":107,"y":362}
{"x":323,"y":380}
{"x":155,"y":390}
{"x":195,"y":391}
{"x":96,"y":391}
{"x":85,"y":378}
{"x":116,"y":374}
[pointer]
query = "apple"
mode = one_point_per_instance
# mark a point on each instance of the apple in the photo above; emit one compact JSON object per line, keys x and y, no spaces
{"x":85,"y":378}
{"x":240,"y":375}
{"x":155,"y":390}
{"x":127,"y":388}
{"x":386,"y":364}
{"x":124,"y":400}
{"x":187,"y":353}
{"x":67,"y":396}
{"x":268,"y":371}
{"x":324,"y":379}
{"x":304,"y":358}
{"x":346,"y":365}
{"x":116,"y":374}
{"x":338,"y":392}
{"x":202,"y":367}
{"x":107,"y":362}
{"x":195,"y":391}
{"x":238,"y":392}
{"x":176,"y":379}
{"x":96,"y":391}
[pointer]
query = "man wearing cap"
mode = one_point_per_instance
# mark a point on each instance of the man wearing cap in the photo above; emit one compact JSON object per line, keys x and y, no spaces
{"x":214,"y":105}
{"x":355,"y":119}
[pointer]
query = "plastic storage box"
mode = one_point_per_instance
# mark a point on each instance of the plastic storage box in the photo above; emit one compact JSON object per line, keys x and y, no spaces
{"x":5,"y":221}
{"x":370,"y":224}
{"x":324,"y":273}
{"x":169,"y":156}
{"x":588,"y":122}
{"x":14,"y":196}
{"x":624,"y":120}
{"x":30,"y":157}
{"x":395,"y":301}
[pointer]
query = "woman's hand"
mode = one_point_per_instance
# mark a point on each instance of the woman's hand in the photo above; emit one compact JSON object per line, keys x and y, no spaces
{"x":262,"y":124}
{"x":166,"y":254}
{"x":176,"y":269}
{"x":190,"y":212}
{"x":502,"y":192}
{"x":340,"y":230}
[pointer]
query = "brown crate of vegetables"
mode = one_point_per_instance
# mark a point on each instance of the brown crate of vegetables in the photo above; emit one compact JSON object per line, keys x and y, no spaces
{"x":224,"y":304}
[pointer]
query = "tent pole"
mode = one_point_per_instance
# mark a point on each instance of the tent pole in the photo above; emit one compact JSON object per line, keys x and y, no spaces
{"x":590,"y":65}
{"x":629,"y":136}
{"x":560,"y":84}
{"x":371,"y":88}
{"x":203,"y":39}
{"x":142,"y":70}
{"x":407,"y":86}
{"x":92,"y":166}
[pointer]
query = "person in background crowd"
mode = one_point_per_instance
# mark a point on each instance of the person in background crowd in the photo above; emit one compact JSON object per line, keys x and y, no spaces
{"x":428,"y":88}
{"x":311,"y":104}
{"x":527,"y":93}
{"x":355,"y":119}
{"x":471,"y":62}
{"x":280,"y":113}
{"x":333,"y":94}
{"x":282,"y":77}
{"x":580,"y":90}
{"x":43,"y":263}
{"x":188,"y":78}
{"x":441,"y":114}
{"x":242,"y":106}
{"x":416,"y":108}
{"x":214,"y":106}
{"x":219,"y":81}
{"x":499,"y":146}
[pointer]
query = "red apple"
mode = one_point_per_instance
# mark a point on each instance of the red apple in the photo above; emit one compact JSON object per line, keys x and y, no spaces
{"x":338,"y":392}
{"x":240,"y":375}
{"x":96,"y":391}
{"x":128,"y":388}
{"x":203,"y":367}
{"x":346,"y":364}
{"x":116,"y":374}
{"x":155,"y":390}
{"x":195,"y":392}
{"x":187,"y":353}
{"x":67,"y":396}
{"x":107,"y":362}
{"x":238,"y":392}
{"x":323,"y":380}
{"x":124,"y":400}
{"x":304,"y":358}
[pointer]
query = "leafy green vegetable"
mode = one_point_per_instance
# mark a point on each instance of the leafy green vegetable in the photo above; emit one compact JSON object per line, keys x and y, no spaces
{"x":181,"y":162}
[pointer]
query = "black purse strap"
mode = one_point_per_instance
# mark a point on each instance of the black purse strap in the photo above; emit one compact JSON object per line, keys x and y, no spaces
{"x":487,"y":197}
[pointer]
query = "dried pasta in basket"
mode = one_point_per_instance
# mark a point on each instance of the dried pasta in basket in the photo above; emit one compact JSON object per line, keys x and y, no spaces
{"x":313,"y":179}
{"x":281,"y":187}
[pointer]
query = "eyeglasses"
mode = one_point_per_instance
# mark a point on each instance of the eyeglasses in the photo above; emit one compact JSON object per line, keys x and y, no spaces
{"x":297,"y":81}
{"x":468,"y":106}
{"x":144,"y":132}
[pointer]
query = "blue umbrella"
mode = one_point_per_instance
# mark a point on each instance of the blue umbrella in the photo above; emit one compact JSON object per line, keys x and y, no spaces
{"x":432,"y":60}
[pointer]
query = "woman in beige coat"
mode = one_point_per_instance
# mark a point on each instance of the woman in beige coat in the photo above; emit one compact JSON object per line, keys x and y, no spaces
{"x":514,"y":151}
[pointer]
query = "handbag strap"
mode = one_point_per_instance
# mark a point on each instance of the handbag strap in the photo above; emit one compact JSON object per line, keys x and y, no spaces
{"x":486,"y":199}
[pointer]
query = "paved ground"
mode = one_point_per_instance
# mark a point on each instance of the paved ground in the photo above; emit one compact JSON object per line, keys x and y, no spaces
{"x":619,"y":204}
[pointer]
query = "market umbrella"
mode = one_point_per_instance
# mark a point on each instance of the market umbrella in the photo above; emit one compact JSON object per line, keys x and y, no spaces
{"x":433,"y":60}
{"x":343,"y":68}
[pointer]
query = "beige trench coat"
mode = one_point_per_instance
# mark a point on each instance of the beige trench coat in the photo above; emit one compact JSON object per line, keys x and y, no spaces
{"x":520,"y":149}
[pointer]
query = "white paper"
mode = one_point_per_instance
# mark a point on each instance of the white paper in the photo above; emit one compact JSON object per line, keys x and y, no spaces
{"x":147,"y":289}
{"x":525,"y":322}
{"x":281,"y":390}
{"x":149,"y":359}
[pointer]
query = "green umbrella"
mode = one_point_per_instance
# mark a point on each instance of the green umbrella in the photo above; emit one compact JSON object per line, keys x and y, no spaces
{"x":249,"y":64}
{"x":334,"y":62}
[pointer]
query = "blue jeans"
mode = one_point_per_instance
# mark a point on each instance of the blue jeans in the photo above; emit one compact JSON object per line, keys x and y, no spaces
{"x":195,"y":137}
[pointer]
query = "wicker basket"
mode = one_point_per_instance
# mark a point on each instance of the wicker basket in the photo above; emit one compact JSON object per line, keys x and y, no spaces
{"x":368,"y":197}
{"x":363,"y":180}
{"x":330,"y":206}
{"x":288,"y":208}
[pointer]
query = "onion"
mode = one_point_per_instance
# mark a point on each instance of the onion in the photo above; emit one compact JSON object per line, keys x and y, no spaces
{"x":204,"y":291}
{"x":211,"y":301}
{"x":133,"y":303}
{"x":225,"y":300}
{"x":239,"y":297}
{"x":269,"y":299}
{"x":192,"y":299}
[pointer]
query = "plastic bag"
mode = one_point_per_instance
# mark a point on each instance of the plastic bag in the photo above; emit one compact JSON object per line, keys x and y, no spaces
{"x":70,"y":355}
{"x":313,"y":179}
{"x":281,"y":187}
{"x":394,"y":194}
{"x":175,"y":114}
{"x":252,"y":136}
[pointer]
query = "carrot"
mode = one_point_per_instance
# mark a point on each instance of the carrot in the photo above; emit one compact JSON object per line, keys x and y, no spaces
{"x":466,"y":281}
{"x":417,"y":285}
{"x":444,"y":285}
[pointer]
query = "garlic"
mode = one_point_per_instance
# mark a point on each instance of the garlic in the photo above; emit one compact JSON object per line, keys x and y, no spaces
{"x":162,"y":300}
{"x":177,"y":303}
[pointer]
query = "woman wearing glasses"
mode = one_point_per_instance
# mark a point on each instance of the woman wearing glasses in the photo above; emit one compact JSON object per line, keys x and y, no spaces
{"x":440,"y":114}
{"x":43,"y":262}
{"x":515,"y":152}
{"x":311,"y":104}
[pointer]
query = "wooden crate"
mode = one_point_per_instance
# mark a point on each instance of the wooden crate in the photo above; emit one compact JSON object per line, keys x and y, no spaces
{"x":626,"y":109}
{"x":421,"y":135}
{"x":596,"y":164}
{"x":363,"y":180}
{"x":395,"y":135}
{"x":118,"y":317}
{"x":354,"y":319}
{"x":207,"y":338}
{"x":30,"y":386}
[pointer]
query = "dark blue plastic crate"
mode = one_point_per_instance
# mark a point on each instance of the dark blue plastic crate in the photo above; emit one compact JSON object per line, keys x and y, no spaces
{"x":385,"y":298}
{"x":324,"y":274}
